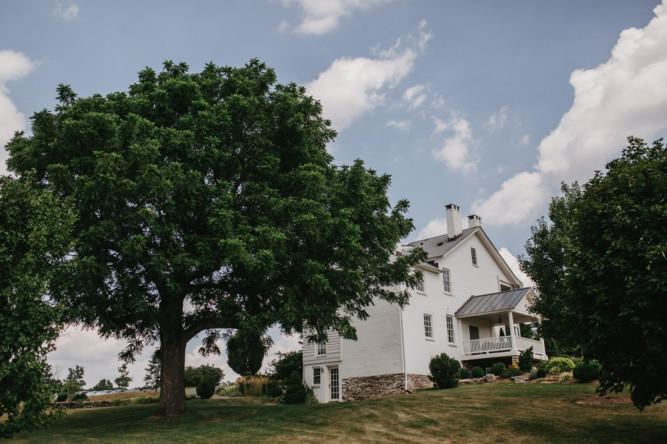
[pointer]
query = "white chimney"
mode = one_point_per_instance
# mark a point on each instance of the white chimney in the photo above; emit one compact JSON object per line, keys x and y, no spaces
{"x":474,"y":221}
{"x":453,"y":213}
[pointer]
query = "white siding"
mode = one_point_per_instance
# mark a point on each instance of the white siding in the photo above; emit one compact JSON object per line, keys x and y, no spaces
{"x":377,"y":349}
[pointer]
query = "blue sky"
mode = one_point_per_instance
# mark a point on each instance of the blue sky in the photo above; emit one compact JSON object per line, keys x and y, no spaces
{"x":487,"y":104}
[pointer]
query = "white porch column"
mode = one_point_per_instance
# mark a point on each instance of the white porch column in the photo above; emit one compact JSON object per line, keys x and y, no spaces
{"x":510,"y":319}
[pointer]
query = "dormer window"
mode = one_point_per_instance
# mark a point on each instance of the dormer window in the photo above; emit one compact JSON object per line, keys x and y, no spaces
{"x":473,"y":255}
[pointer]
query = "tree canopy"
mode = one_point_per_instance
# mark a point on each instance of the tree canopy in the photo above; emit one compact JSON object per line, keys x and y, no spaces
{"x":34,"y":240}
{"x":601,"y":270}
{"x":208,"y":201}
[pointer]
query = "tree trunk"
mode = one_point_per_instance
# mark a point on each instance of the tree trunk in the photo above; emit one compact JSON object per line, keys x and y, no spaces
{"x":172,"y":390}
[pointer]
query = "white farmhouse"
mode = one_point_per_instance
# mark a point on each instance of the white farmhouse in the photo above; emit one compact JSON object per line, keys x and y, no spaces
{"x":470,"y":306}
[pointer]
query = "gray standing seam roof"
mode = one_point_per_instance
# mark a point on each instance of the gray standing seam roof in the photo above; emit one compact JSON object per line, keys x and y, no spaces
{"x":486,"y":303}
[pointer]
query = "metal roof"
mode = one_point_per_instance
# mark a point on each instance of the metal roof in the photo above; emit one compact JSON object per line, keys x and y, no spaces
{"x":488,"y":303}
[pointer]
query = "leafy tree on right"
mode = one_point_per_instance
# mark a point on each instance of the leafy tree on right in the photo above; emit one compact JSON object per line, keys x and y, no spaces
{"x":600,"y":267}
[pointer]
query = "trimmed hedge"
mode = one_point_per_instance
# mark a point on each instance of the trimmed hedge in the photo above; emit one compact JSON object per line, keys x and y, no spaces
{"x":477,"y":372}
{"x":444,"y":371}
{"x":587,"y":371}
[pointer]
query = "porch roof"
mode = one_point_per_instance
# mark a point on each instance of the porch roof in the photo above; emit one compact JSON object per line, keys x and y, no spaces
{"x":491,"y":303}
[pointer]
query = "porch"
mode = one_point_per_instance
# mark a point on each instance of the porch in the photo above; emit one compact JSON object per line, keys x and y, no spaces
{"x":501,"y":347}
{"x":491,"y":326}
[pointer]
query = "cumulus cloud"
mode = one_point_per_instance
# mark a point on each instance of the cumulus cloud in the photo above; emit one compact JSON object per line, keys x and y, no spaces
{"x":455,"y":150}
{"x":320,"y":17}
{"x":352,"y":87}
{"x":402,"y":125}
{"x":435,"y":227}
{"x":626,"y":95}
{"x":513,"y":263}
{"x":13,"y":66}
{"x":497,"y":120}
{"x":66,"y":11}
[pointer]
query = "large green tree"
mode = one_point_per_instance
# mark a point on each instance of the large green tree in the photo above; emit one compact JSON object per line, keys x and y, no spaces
{"x":601,"y":270}
{"x":208,"y":201}
{"x":33,"y":243}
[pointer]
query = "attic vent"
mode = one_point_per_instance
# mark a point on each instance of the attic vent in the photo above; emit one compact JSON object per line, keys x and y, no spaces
{"x":440,"y":244}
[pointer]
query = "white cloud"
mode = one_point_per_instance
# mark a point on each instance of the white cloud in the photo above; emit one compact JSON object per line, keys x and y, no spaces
{"x":524,"y":140}
{"x":517,"y":200}
{"x":320,"y":17}
{"x":455,"y":152}
{"x":415,"y":96}
{"x":513,"y":263}
{"x":13,"y":66}
{"x":66,"y":11}
{"x":627,"y":95}
{"x":497,"y":120}
{"x":402,"y":125}
{"x":352,"y":87}
{"x":435,"y":227}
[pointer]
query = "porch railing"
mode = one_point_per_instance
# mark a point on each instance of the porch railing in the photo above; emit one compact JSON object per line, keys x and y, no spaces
{"x":502,"y":344}
{"x":487,"y":345}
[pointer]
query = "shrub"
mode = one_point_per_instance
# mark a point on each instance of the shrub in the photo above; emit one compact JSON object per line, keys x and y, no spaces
{"x":512,"y":370}
{"x":564,"y":377}
{"x":560,"y":365}
{"x":271,"y":388}
{"x":80,"y":397}
{"x":206,"y":388}
{"x":62,"y":397}
{"x":464,"y":373}
{"x":541,"y":372}
{"x":526,"y":359}
{"x":477,"y":372}
{"x":286,"y":364}
{"x":587,"y":371}
{"x":497,"y":368}
{"x":193,"y":375}
{"x":295,"y":391}
{"x":533,"y":374}
{"x":444,"y":371}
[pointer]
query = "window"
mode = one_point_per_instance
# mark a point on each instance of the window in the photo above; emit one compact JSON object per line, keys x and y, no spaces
{"x":420,"y":286}
{"x":473,"y":254}
{"x":321,"y":348}
{"x":316,"y":376}
{"x":428,"y":325}
{"x":446,"y":280}
{"x":450,"y":329}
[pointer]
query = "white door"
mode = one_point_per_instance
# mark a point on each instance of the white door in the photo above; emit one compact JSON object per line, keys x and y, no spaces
{"x":334,"y":384}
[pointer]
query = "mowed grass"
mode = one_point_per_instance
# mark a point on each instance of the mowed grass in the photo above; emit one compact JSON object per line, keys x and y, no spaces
{"x":485,"y":413}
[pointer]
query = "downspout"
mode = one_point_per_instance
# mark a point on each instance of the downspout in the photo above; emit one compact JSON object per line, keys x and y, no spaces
{"x":400,"y":321}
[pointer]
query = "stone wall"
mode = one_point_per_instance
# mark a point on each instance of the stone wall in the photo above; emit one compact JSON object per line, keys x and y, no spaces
{"x":381,"y":385}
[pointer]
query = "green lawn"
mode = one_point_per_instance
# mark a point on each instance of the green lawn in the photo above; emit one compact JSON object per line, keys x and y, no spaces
{"x":485,"y":413}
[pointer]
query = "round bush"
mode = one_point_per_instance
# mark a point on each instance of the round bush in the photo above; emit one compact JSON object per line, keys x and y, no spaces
{"x":206,"y":387}
{"x":477,"y":372}
{"x":497,"y":368}
{"x":464,"y":373}
{"x":444,"y":371}
{"x":62,"y":397}
{"x":295,"y":392}
{"x":560,"y":365}
{"x":541,"y":372}
{"x":80,"y":397}
{"x":565,"y":377}
{"x":587,"y":371}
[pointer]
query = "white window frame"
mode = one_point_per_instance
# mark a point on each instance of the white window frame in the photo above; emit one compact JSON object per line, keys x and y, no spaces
{"x":317,"y":376}
{"x":473,"y":256}
{"x":420,"y":287}
{"x":450,"y":329}
{"x":428,"y":326}
{"x":321,"y":348}
{"x":446,"y":280}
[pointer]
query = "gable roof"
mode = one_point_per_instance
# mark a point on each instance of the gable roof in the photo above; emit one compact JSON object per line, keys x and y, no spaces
{"x":441,"y":245}
{"x":492,"y":302}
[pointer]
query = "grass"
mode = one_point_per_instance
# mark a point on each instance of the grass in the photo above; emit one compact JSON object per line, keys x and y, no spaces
{"x":484,"y":413}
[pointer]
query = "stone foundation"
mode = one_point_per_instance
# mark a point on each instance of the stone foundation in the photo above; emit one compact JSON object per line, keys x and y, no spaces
{"x":378,"y":386}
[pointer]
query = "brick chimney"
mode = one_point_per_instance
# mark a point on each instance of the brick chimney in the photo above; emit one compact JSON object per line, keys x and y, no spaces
{"x":474,"y":221}
{"x":453,"y":213}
